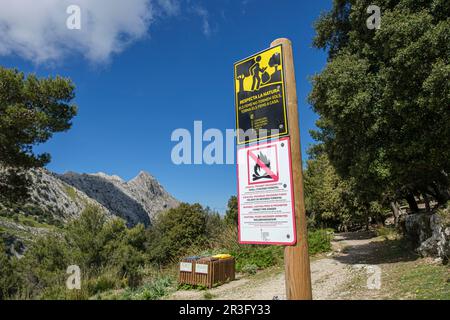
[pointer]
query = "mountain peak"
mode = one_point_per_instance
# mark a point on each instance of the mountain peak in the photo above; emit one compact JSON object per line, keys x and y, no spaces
{"x":143,"y":176}
{"x":137,"y":200}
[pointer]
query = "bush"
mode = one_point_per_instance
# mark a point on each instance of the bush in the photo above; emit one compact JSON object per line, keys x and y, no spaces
{"x":154,"y":290}
{"x":258,"y":255}
{"x":105,"y":282}
{"x":177,"y":230}
{"x":10,"y":281}
{"x":388,"y":233}
{"x":319,"y":241}
{"x":107,"y":252}
{"x":249,"y":268}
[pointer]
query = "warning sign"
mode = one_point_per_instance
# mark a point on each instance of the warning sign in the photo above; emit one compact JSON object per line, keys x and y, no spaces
{"x":265,"y":194}
{"x":260,"y":96}
{"x":263,"y":165}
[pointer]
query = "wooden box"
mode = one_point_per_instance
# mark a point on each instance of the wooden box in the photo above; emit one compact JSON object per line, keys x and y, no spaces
{"x":206,"y":271}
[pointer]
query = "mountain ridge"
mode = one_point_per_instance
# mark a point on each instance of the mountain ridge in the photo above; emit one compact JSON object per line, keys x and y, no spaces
{"x":138,"y":200}
{"x":63,"y":197}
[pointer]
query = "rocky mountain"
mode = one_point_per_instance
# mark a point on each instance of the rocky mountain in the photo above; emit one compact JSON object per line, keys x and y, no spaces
{"x":65,"y":196}
{"x":136,"y":201}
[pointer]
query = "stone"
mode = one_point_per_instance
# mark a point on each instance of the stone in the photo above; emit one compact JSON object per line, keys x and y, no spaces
{"x":430,"y":234}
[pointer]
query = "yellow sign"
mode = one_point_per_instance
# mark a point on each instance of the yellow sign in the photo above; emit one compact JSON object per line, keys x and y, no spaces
{"x":260,"y":96}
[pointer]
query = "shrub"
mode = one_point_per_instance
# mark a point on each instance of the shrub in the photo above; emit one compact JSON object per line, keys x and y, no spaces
{"x":319,"y":241}
{"x":208,"y":295}
{"x":388,"y":233}
{"x":258,"y":255}
{"x":10,"y":281}
{"x":249,"y":268}
{"x":154,"y":290}
{"x":106,"y":281}
{"x":107,"y":252}
{"x":177,"y":230}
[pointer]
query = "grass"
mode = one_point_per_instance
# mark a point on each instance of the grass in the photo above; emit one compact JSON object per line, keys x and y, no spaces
{"x":423,"y":281}
{"x":388,"y":233}
{"x":208,"y":295}
{"x":71,"y":193}
{"x":154,"y":290}
{"x":404,"y":276}
{"x":32,"y":222}
{"x":444,"y":214}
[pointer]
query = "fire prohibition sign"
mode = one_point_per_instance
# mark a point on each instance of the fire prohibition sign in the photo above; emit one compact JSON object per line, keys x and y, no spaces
{"x":265,"y":194}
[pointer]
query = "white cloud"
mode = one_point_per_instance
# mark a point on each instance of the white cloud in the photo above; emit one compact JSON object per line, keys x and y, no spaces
{"x":36,"y":30}
{"x":204,"y":14}
{"x":170,"y":7}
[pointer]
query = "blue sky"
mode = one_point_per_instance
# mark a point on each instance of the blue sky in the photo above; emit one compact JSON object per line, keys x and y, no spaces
{"x":176,"y":69}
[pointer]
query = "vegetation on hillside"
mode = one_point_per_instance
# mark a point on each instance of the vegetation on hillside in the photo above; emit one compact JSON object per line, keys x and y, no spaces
{"x":140,"y":262}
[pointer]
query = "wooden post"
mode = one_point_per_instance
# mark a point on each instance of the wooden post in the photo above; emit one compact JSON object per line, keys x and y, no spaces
{"x":296,"y":258}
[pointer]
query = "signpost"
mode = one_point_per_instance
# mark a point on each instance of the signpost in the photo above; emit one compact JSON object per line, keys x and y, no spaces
{"x":270,"y":183}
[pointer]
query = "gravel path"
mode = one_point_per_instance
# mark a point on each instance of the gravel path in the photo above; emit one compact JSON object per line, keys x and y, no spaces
{"x":328,"y":275}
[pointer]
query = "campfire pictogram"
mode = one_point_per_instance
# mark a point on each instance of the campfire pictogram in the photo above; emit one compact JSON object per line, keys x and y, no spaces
{"x":257,"y":174}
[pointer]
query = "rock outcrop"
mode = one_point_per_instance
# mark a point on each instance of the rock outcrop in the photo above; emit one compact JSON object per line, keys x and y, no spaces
{"x":430,"y":233}
{"x":136,"y":201}
{"x":62,"y":197}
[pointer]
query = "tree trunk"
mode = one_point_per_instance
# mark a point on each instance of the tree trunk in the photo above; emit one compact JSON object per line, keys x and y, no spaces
{"x":412,"y":202}
{"x":396,"y":212}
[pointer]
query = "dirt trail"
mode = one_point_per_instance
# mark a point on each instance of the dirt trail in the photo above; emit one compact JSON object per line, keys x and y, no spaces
{"x":329,"y":274}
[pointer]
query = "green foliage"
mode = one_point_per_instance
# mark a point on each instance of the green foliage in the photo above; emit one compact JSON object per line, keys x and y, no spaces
{"x":333,"y":202}
{"x":388,"y":233}
{"x":113,"y":257}
{"x":154,"y":290}
{"x":9,"y":277}
{"x":426,"y":282}
{"x":208,"y":295}
{"x":231,"y":215}
{"x":71,"y":193}
{"x":249,"y":268}
{"x":31,"y":111}
{"x":319,"y":241}
{"x":330,"y":201}
{"x":260,"y":256}
{"x":108,"y":253}
{"x":383,"y":97}
{"x":178,"y":229}
{"x":444,"y":214}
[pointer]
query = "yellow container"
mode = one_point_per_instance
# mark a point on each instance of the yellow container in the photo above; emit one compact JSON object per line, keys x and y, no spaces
{"x":222,"y":256}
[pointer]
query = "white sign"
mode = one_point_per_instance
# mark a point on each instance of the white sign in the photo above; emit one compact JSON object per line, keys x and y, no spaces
{"x":186,"y":266}
{"x":201,"y":268}
{"x":265,"y":194}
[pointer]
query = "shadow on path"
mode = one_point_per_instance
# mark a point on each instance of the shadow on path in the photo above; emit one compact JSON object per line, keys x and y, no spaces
{"x":362,"y":250}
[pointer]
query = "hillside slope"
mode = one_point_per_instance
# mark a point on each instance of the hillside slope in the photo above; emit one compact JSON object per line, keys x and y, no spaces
{"x":62,"y":197}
